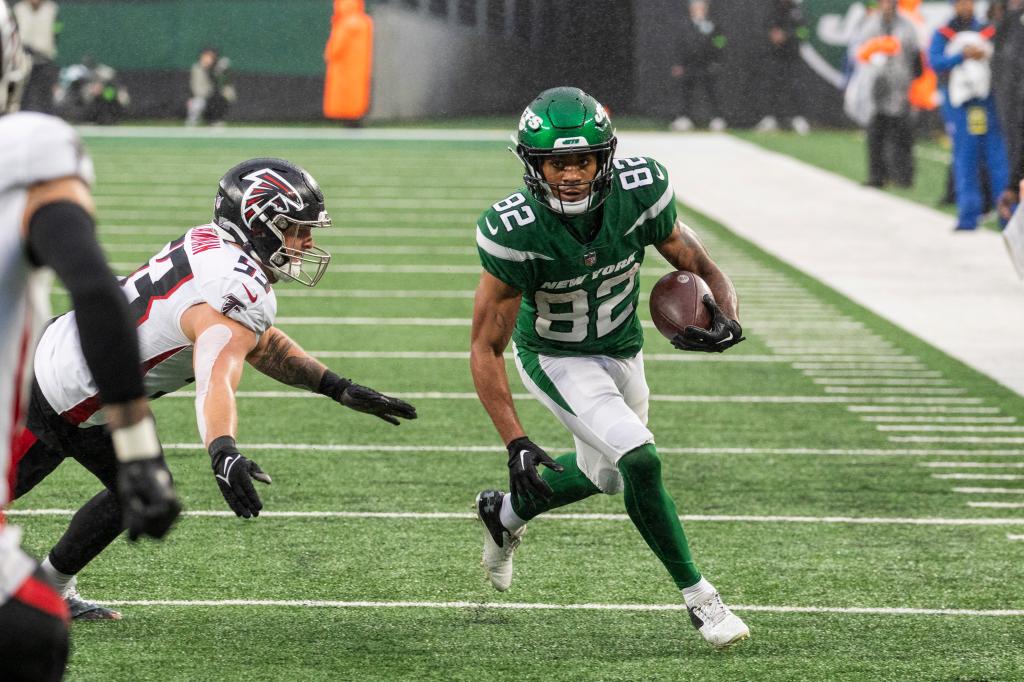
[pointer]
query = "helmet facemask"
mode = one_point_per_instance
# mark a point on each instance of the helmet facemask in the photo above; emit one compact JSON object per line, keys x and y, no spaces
{"x":305,"y":266}
{"x":550,"y":194}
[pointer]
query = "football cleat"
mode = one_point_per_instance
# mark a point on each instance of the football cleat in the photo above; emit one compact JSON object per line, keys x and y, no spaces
{"x":719,"y":626}
{"x":81,"y":609}
{"x":499,"y":543}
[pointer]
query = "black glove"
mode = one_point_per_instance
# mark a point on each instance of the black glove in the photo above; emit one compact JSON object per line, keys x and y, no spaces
{"x":234,"y":473}
{"x":147,"y":497}
{"x":723,"y":332}
{"x":523,"y":480}
{"x":363,"y":399}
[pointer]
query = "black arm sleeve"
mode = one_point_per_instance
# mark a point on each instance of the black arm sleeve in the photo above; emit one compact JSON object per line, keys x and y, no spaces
{"x":62,"y":235}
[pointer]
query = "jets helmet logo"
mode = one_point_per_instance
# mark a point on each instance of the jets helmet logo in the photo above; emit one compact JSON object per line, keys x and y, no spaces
{"x":268,"y":190}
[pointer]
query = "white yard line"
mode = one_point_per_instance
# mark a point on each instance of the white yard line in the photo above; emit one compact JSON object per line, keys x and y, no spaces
{"x":933,"y":419}
{"x":847,"y":381}
{"x":769,"y":399}
{"x":979,"y":477}
{"x":923,"y":408}
{"x":972,"y":465}
{"x":989,"y":491}
{"x":996,"y":505}
{"x":521,"y":606}
{"x":690,"y":518}
{"x":965,"y":428}
{"x":887,"y":373}
{"x":1014,"y":538}
{"x":980,"y":440}
{"x":666,"y":450}
{"x":923,"y":390}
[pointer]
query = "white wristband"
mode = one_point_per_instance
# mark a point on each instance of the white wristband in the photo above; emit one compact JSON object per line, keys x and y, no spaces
{"x":135,"y":442}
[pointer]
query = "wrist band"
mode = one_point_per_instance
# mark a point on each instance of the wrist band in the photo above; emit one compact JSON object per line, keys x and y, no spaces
{"x":222,"y":443}
{"x":135,"y":442}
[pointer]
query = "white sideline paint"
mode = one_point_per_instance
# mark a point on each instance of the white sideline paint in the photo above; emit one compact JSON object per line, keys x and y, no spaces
{"x":466,"y":516}
{"x":770,"y":399}
{"x":898,"y":259}
{"x":986,"y":491}
{"x":822,"y":452}
{"x":996,"y":505}
{"x":1014,"y":538}
{"x":519,"y":606}
{"x":266,"y":133}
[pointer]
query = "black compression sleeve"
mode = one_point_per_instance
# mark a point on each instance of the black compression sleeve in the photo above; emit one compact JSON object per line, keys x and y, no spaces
{"x":62,"y":235}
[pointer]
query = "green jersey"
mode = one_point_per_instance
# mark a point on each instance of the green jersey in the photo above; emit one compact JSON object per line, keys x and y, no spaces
{"x":579,"y":297}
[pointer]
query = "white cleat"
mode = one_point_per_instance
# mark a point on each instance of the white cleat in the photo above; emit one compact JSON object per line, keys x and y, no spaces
{"x":718,"y":125}
{"x":768,"y":124}
{"x":801,"y":126}
{"x":719,"y":626}
{"x":683,"y":124}
{"x":499,"y":544}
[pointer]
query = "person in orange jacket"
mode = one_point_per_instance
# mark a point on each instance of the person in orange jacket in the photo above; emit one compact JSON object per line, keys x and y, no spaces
{"x":349,"y":58}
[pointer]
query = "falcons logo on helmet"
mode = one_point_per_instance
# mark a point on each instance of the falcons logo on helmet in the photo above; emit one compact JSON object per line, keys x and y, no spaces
{"x":268,"y":190}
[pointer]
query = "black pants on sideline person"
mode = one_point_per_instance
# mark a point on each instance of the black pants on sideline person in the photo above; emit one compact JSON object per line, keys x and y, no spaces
{"x":890,"y":151}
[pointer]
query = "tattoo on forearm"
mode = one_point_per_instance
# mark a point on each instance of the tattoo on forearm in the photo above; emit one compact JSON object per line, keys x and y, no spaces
{"x":278,"y":362}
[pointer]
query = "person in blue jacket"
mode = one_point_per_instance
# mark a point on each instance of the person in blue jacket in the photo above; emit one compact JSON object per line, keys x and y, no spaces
{"x":959,"y":53}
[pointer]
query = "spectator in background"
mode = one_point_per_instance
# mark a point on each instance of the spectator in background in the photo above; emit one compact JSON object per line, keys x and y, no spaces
{"x":212,"y":91}
{"x":886,"y":45}
{"x":960,"y":53}
{"x":786,"y":30}
{"x":38,"y":25}
{"x":701,"y":53}
{"x":90,"y":91}
{"x":1008,"y":70}
{"x":349,"y":58}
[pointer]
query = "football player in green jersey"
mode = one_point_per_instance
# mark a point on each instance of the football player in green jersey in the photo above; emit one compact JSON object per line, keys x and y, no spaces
{"x":561,"y":258}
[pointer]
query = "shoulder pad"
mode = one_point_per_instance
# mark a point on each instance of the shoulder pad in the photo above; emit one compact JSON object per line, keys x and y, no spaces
{"x":35,"y":148}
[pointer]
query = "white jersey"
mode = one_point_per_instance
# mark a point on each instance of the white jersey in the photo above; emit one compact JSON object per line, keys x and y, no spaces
{"x":34,"y":148}
{"x":198,"y":267}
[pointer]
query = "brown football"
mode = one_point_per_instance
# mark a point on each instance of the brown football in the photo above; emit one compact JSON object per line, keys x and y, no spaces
{"x":677,"y":303}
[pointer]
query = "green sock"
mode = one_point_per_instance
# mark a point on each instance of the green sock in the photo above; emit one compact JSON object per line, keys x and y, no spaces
{"x":654,"y":514}
{"x":570,"y":486}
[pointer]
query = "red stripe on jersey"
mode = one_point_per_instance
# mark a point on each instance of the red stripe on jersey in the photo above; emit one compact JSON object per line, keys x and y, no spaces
{"x":23,"y":442}
{"x":170,"y":293}
{"x":88,"y":407}
{"x":947,"y":32}
{"x":42,"y":597}
{"x":988,"y":32}
{"x":18,"y":409}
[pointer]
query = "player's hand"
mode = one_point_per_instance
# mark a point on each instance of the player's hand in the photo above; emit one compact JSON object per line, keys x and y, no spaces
{"x":722,"y":332}
{"x":148,"y":501}
{"x":1007,"y":200}
{"x":524,"y":481}
{"x":363,"y":399}
{"x":234,"y":474}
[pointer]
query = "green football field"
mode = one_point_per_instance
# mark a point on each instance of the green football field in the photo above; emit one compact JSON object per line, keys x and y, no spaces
{"x":855,"y":494}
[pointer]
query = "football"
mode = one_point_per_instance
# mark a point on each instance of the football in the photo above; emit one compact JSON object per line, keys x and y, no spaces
{"x":677,"y":303}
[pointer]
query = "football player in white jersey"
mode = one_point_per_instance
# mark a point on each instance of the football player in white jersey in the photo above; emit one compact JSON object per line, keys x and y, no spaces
{"x":46,"y":223}
{"x":204,"y":306}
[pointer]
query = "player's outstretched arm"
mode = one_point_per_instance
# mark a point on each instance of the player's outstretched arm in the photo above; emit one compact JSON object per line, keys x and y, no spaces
{"x":684,"y":251}
{"x":220,"y":346}
{"x":283,"y":360}
{"x":61,"y":234}
{"x":494,"y":317}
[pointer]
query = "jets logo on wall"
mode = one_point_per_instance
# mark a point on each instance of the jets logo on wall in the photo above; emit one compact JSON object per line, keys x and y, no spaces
{"x":268,"y":190}
{"x":833,"y":26}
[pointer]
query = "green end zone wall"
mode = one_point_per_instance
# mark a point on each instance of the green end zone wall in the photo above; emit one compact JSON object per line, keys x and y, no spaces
{"x":433,"y":58}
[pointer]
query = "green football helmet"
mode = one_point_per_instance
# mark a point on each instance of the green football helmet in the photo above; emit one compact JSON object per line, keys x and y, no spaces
{"x":565,"y":121}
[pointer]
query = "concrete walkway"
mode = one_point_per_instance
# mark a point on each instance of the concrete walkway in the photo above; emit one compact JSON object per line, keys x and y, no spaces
{"x":957,"y":291}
